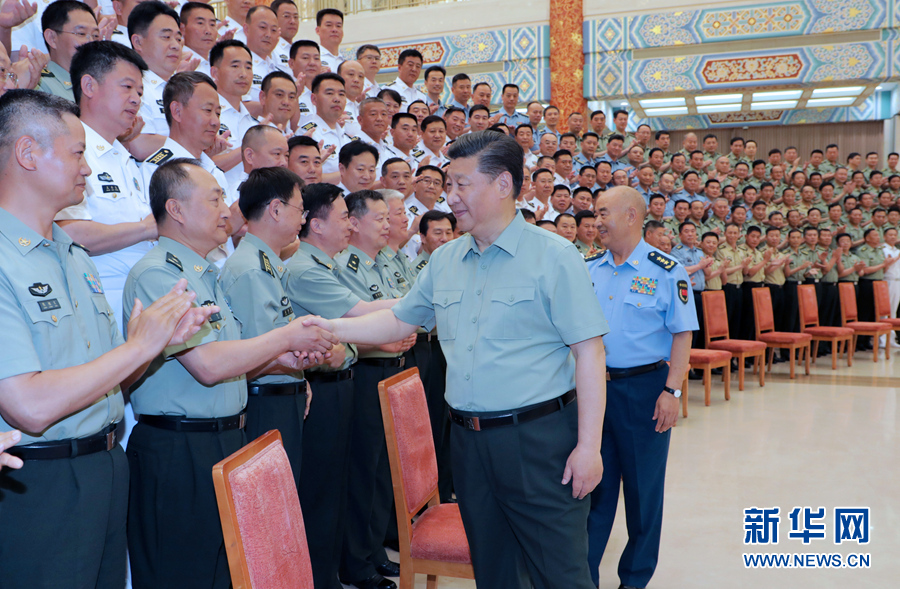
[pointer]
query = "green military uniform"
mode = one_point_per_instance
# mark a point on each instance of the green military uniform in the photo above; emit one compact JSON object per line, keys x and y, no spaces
{"x":397,"y":266}
{"x":733,"y":161}
{"x":370,"y":496}
{"x":828,"y":285}
{"x":583,"y":248}
{"x":716,"y":282}
{"x":55,"y":80}
{"x":775,"y":281}
{"x":182,"y":545}
{"x":314,"y":289}
{"x":824,"y":168}
{"x":672,"y":224}
{"x":731,"y":284}
{"x":751,"y":281}
{"x":506,"y":317}
{"x":849,"y":260}
{"x":63,"y":520}
{"x":714,"y":223}
{"x":254,"y":280}
{"x":419,"y":263}
{"x":791,"y":300}
{"x":856,"y":233}
{"x":872,"y":256}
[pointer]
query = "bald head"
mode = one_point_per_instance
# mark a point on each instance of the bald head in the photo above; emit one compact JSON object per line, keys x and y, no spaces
{"x":354,"y":77}
{"x":624,"y":199}
{"x":620,"y":219}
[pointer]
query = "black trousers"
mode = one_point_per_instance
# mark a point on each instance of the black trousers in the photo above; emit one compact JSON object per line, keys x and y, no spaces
{"x":62,"y":523}
{"x":174,"y":532}
{"x":748,"y":315}
{"x":777,"y":292}
{"x":324,"y":476}
{"x":284,"y":413}
{"x":865,"y":299}
{"x":440,"y":420}
{"x":697,"y":340}
{"x":734,"y":302}
{"x":829,"y":312}
{"x":791,"y":307}
{"x":370,"y":493}
{"x":524,"y":528}
{"x":636,"y":454}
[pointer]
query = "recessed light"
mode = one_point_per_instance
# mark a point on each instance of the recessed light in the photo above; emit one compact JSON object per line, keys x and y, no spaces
{"x":773,"y":104}
{"x":845,"y":91}
{"x":719,"y":108}
{"x":718,"y":98}
{"x":659,"y":102}
{"x":837,"y":101}
{"x":879,"y":87}
{"x":659,"y":112}
{"x":777,"y":95}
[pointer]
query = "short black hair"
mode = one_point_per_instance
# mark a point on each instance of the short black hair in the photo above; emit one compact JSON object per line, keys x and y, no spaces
{"x":505,"y":86}
{"x":620,"y":112}
{"x":143,"y":15}
{"x":317,"y":81}
{"x":326,"y":11}
{"x":393,"y":95}
{"x":390,"y":162}
{"x":496,"y":152}
{"x":318,"y":200}
{"x":167,"y":182}
{"x":435,"y":68}
{"x":98,"y":58}
{"x":432,"y":119}
{"x":264,"y":185}
{"x":432,"y":216}
{"x":475,"y":87}
{"x":218,"y":50}
{"x":353,"y":149}
{"x":279,"y":3}
{"x":191,"y":6}
{"x":460,"y":77}
{"x":277,"y":74}
{"x":302,"y":141}
{"x":580,"y":216}
{"x":57,"y":13}
{"x":296,"y":45}
{"x":25,"y":111}
{"x":476,"y":107}
{"x":367,"y":47}
{"x":452,"y":109}
{"x":180,"y":88}
{"x":422,"y":169}
{"x":395,"y":120}
{"x":358,"y":202}
{"x":408,"y":53}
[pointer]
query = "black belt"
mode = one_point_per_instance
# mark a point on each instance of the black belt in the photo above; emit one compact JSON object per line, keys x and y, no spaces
{"x":754,"y":284}
{"x":425,"y":337}
{"x":477,"y":423}
{"x":383,"y":362}
{"x":277,"y":390}
{"x":847,"y":281}
{"x":106,"y":439}
{"x":869,"y":279}
{"x":617,"y":373}
{"x":811,"y":281}
{"x":177,"y":423}
{"x":336,"y":376}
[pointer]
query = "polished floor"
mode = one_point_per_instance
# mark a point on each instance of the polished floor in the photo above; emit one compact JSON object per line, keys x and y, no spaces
{"x":826,"y":440}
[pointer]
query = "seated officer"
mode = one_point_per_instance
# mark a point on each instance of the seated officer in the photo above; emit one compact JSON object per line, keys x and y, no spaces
{"x":647,"y":297}
{"x":253,"y":280}
{"x":67,"y":25}
{"x":63,"y":514}
{"x":190,"y":409}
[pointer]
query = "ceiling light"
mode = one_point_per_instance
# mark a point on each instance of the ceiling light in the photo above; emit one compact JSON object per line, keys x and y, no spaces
{"x":843,"y":101}
{"x":623,"y":103}
{"x":660,"y":102}
{"x":719,"y":108}
{"x":659,"y":112}
{"x":718,"y":98}
{"x":773,"y":104}
{"x":879,"y":87}
{"x":845,"y":91}
{"x":779,"y":95}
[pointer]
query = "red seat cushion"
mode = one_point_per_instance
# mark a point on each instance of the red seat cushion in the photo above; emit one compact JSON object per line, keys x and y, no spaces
{"x":868,"y":326}
{"x":784,"y":337}
{"x":738,"y":345}
{"x":824,"y":331}
{"x":438,"y":534}
{"x":894,"y":322}
{"x":700,"y":356}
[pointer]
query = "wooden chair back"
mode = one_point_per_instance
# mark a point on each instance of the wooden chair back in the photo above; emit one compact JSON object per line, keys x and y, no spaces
{"x":809,"y":305}
{"x":762,"y":308}
{"x":847,"y":296}
{"x":882,"y":299}
{"x":715,"y":315}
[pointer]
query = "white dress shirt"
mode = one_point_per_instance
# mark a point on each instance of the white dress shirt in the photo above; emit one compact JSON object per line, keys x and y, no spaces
{"x":152,"y":110}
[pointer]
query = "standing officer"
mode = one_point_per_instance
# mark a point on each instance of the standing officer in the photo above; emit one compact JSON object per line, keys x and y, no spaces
{"x":520,"y":328}
{"x":62,"y":516}
{"x":190,"y":409}
{"x":695,"y":262}
{"x":253,"y":279}
{"x":313,"y":288}
{"x":734,"y":276}
{"x":647,"y":297}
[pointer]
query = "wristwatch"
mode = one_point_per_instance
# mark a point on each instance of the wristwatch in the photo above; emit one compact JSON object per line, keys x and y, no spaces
{"x":675,"y":392}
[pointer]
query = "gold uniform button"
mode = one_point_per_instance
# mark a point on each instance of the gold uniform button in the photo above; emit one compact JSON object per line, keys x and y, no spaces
{"x":53,"y":318}
{"x":639,"y":304}
{"x":610,"y":297}
{"x":76,"y":304}
{"x":89,"y":345}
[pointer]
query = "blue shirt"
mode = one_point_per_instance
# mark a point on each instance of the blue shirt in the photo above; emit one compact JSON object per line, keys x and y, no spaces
{"x":646,"y":299}
{"x":512,"y":120}
{"x":691,"y":256}
{"x":615,"y":164}
{"x":685,"y":195}
{"x":580,"y":160}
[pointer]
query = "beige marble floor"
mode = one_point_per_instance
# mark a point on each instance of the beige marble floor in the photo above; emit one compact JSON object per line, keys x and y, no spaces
{"x":830,"y":439}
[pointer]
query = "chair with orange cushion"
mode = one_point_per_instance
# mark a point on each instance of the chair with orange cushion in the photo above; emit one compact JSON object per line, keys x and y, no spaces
{"x":715,"y":321}
{"x":261,"y":519}
{"x":838,"y":337}
{"x":850,"y":318}
{"x":883,"y":306}
{"x":765,"y":331}
{"x":707,"y":360}
{"x":435,"y":543}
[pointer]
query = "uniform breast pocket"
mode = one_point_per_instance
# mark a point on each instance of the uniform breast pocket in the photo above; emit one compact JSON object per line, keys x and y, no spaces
{"x":446,"y":312}
{"x":638,"y":312}
{"x":511,"y":311}
{"x":51,"y":328}
{"x":102,"y":307}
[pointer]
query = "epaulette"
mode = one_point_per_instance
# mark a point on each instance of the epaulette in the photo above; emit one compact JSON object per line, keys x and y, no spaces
{"x":45,"y":73}
{"x":662,"y":261}
{"x":352,"y":138}
{"x":596,"y":256}
{"x":173,"y":259}
{"x":417,"y":153}
{"x":353,"y":263}
{"x":413,"y":209}
{"x":265,"y":265}
{"x":421,"y":264}
{"x":320,"y":262}
{"x":441,"y":199}
{"x":309,"y":125}
{"x":679,"y":246}
{"x":78,"y":245}
{"x":160,"y":157}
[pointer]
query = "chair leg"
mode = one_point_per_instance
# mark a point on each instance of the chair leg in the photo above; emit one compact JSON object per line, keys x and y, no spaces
{"x":792,"y":362}
{"x":835,"y":353}
{"x":707,"y":382}
{"x":815,"y":350}
{"x":875,"y":345}
{"x":408,"y":577}
{"x":887,"y":345}
{"x":727,"y":371}
{"x":741,"y":372}
{"x":806,"y":352}
{"x":850,"y":348}
{"x":432,"y":582}
{"x":762,"y":373}
{"x":771,"y":357}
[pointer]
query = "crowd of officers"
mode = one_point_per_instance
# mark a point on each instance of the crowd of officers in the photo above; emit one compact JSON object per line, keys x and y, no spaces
{"x":238,"y":180}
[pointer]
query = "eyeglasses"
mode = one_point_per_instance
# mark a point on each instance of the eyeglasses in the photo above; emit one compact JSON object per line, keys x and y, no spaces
{"x":303,"y":211}
{"x":81,"y":35}
{"x":6,"y":74}
{"x":430,"y":182}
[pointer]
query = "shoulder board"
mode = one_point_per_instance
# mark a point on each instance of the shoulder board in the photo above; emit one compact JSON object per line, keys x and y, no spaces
{"x":352,"y":138}
{"x":265,"y":265}
{"x":117,"y":32}
{"x":413,"y":209}
{"x":45,"y":73}
{"x":320,"y":262}
{"x":353,"y":263}
{"x":679,"y":247}
{"x":662,"y":261}
{"x":596,"y":256}
{"x":308,"y":126}
{"x":160,"y":157}
{"x":417,"y":153}
{"x":172,"y":259}
{"x":78,"y":245}
{"x":441,"y":199}
{"x":421,"y":264}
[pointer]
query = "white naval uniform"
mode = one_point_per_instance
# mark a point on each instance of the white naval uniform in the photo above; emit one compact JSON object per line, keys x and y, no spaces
{"x":415,"y":208}
{"x":408,"y":93}
{"x":371,"y":89}
{"x":304,"y":103}
{"x":328,"y":136}
{"x":262,"y":67}
{"x":415,"y":155}
{"x":330,"y":60}
{"x":152,"y":110}
{"x":120,"y":35}
{"x":282,"y":55}
{"x":437,"y":159}
{"x":239,"y":34}
{"x":204,"y":66}
{"x":351,"y":125}
{"x":383,"y":148}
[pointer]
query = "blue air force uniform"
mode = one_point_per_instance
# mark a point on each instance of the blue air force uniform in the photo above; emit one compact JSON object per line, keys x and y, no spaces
{"x":647,"y":299}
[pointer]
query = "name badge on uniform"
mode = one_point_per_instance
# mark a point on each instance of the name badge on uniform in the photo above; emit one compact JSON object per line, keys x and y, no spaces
{"x":215,"y":318}
{"x":642,"y":285}
{"x":93,"y":283}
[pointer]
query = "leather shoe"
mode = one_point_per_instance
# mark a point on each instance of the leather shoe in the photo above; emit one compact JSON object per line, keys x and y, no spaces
{"x":627,"y":587}
{"x":376,"y":581}
{"x":388,"y":568}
